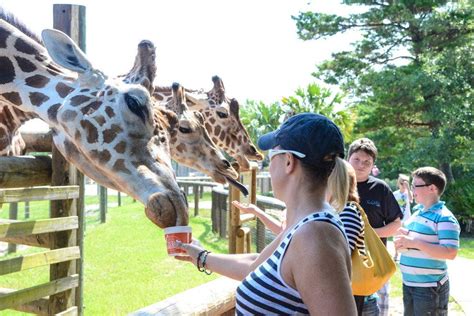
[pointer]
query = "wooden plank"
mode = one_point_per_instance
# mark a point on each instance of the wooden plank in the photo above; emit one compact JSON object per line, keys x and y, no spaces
{"x":39,"y":307}
{"x":246,"y":218}
{"x":212,"y":298}
{"x":26,"y":262}
{"x":38,"y":226}
{"x":39,"y":193}
{"x":25,"y":171}
{"x":37,"y":292}
{"x":36,"y":240}
{"x":38,"y":142}
{"x":71,"y":311}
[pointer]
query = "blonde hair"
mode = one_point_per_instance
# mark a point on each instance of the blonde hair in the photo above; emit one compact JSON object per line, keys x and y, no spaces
{"x":342,"y":185}
{"x":402,"y":177}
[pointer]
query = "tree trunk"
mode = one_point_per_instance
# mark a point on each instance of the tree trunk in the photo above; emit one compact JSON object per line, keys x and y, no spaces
{"x":446,"y":168}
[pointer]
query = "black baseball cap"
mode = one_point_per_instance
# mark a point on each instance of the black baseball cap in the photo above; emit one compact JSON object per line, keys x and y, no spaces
{"x":311,"y":134}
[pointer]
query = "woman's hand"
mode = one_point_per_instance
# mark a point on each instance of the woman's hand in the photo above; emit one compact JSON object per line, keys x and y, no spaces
{"x":192,"y":250}
{"x":247,"y":208}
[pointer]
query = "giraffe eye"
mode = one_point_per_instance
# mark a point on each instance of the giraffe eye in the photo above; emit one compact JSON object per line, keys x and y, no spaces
{"x":222,"y":115}
{"x":136,"y":107}
{"x":185,"y":130}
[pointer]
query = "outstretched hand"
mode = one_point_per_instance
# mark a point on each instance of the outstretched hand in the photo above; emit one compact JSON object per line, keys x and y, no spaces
{"x":247,"y":207}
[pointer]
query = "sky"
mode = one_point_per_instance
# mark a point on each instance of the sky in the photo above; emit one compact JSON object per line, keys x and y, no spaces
{"x":251,"y":44}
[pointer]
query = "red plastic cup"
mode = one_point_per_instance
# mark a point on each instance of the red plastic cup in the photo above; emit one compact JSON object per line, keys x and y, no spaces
{"x":174,"y":233}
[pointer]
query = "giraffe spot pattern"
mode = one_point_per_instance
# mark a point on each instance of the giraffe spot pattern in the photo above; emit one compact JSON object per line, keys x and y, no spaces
{"x":38,"y":98}
{"x":110,"y":111}
{"x":53,"y":112}
{"x":41,"y":57}
{"x":119,"y":166}
{"x":69,"y":116}
{"x":222,"y":136}
{"x":181,"y":148}
{"x":7,"y":71}
{"x":4,"y":34}
{"x":111,"y":133}
{"x":79,"y":99}
{"x":120,"y":147}
{"x":63,"y":89}
{"x":217,"y":130}
{"x":103,"y":156}
{"x":37,"y":81}
{"x":212,"y":120}
{"x":22,"y":46}
{"x":91,"y":131}
{"x":12,"y":97}
{"x":25,"y":64}
{"x":91,"y":108}
{"x":100,"y":119}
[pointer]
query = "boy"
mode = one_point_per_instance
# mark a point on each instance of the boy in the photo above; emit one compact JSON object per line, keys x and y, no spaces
{"x":431,"y":236}
{"x":382,"y":210}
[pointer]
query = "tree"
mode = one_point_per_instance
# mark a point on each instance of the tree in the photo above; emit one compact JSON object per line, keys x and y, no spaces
{"x":412,"y":77}
{"x":260,"y":118}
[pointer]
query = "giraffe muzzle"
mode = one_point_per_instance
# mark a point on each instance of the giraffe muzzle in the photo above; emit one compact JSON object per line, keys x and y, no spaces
{"x":168,"y":208}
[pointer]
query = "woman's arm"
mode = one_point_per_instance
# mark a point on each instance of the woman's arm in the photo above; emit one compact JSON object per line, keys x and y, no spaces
{"x":322,"y":274}
{"x":235,"y":266}
{"x":272,"y":224}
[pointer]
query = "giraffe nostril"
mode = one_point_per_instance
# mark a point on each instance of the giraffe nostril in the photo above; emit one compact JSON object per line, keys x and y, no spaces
{"x":226,"y":163}
{"x":253,"y":149}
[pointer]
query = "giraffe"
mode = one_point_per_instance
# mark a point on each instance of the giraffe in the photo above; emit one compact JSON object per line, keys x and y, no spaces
{"x":11,"y":118}
{"x":190,"y":144}
{"x":222,"y":121}
{"x":104,"y":127}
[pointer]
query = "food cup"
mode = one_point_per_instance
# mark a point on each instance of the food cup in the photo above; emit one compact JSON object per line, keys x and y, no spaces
{"x":174,"y":233}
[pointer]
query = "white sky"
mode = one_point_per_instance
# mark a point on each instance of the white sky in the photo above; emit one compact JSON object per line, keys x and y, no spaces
{"x":251,"y":44}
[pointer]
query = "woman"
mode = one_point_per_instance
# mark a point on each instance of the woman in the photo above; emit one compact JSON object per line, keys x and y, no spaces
{"x":341,"y":194}
{"x":306,"y":269}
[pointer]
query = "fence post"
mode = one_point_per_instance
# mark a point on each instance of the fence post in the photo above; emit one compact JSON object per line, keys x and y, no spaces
{"x":103,"y":204}
{"x":27,"y":210}
{"x":119,"y":198}
{"x":196,"y":199}
{"x":13,"y":214}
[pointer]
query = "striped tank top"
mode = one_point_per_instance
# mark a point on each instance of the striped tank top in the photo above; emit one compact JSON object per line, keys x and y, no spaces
{"x":264,"y":292}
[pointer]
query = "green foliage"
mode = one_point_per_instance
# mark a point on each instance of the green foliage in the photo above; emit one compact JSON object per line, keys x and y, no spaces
{"x":459,"y":197}
{"x":412,"y":77}
{"x":260,"y":118}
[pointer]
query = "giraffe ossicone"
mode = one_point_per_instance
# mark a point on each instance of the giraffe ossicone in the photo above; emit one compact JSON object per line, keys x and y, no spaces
{"x":103,"y":126}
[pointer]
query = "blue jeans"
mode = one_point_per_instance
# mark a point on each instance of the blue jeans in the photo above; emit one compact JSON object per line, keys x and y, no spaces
{"x":426,"y":300}
{"x":370,"y":307}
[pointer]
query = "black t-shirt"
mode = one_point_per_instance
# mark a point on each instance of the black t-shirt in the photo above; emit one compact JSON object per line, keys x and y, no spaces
{"x":378,"y":202}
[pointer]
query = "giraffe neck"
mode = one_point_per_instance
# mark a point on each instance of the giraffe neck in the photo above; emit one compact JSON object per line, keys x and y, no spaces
{"x":11,"y":118}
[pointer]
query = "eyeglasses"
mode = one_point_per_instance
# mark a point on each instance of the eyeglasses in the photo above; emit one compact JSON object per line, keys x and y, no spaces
{"x":420,"y":185}
{"x":274,"y":152}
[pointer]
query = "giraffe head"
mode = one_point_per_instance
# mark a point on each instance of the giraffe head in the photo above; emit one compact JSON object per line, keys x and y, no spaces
{"x":224,"y":125}
{"x":105,"y":127}
{"x":190,"y":144}
{"x":144,"y":68}
{"x":189,"y":141}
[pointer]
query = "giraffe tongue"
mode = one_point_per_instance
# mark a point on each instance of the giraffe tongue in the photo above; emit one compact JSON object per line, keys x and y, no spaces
{"x":238,"y":185}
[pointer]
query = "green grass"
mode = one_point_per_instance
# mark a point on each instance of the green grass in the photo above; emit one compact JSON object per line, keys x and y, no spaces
{"x":126,"y":264}
{"x":467,"y":248}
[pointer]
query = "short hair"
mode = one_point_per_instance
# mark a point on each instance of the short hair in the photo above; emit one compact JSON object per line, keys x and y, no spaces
{"x":431,"y":175}
{"x":365,"y":145}
{"x":402,"y":177}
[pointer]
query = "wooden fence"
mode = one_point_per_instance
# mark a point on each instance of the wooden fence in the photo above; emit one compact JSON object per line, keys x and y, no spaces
{"x":60,"y":236}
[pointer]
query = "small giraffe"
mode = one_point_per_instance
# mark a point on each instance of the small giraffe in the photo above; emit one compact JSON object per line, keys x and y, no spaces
{"x":189,"y":141}
{"x":104,"y":127}
{"x":222,"y":121}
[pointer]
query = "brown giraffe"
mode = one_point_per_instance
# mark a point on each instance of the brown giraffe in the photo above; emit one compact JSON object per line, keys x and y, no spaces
{"x":189,"y":141}
{"x":11,"y":118}
{"x":104,"y":127}
{"x":222,"y":121}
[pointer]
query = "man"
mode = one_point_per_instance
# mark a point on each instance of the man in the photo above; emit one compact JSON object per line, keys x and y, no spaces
{"x":381,"y":207}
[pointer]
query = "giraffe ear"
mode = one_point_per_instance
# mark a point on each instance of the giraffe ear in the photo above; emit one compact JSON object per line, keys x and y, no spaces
{"x":64,"y":51}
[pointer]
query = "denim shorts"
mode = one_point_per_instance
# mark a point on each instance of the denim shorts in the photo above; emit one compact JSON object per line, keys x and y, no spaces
{"x":426,"y":300}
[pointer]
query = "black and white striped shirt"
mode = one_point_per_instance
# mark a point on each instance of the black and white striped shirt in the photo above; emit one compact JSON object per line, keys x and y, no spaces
{"x":354,"y":226}
{"x":264,"y":292}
